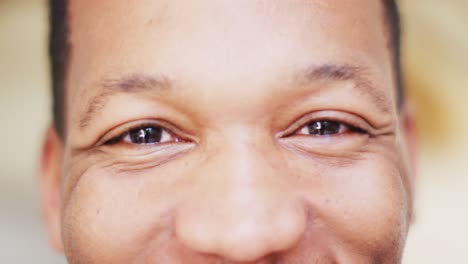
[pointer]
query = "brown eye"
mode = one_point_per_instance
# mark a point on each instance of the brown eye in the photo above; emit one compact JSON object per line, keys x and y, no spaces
{"x":145,"y":135}
{"x":321,"y":128}
{"x":327,"y":128}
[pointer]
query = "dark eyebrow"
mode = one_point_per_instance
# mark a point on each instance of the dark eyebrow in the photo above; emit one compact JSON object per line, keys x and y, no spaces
{"x":135,"y":83}
{"x":357,"y":74}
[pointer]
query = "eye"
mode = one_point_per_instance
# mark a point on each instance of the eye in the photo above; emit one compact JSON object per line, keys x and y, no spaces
{"x":327,"y":128}
{"x":145,"y":135}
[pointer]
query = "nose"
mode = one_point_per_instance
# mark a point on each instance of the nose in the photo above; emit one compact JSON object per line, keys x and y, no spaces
{"x":241,"y":207}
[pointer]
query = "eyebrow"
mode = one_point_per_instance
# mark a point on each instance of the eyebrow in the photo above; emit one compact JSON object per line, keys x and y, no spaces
{"x":138,"y":83}
{"x":357,"y":74}
{"x":135,"y":83}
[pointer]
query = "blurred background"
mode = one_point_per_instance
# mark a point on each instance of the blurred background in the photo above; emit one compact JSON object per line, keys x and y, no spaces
{"x":435,"y":49}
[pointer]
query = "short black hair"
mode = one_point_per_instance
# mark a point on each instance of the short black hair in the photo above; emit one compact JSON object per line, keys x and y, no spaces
{"x":59,"y":50}
{"x":393,"y":24}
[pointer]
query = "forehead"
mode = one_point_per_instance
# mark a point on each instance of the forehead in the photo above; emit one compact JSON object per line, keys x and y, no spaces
{"x":214,"y":43}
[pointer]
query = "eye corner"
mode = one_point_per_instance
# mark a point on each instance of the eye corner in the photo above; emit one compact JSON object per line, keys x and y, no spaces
{"x":112,"y":141}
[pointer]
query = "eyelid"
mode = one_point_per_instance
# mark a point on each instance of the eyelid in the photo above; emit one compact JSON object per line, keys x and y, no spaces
{"x":119,"y":132}
{"x":329,"y":115}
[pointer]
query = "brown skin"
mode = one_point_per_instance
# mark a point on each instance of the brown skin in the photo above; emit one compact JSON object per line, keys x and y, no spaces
{"x":237,"y":177}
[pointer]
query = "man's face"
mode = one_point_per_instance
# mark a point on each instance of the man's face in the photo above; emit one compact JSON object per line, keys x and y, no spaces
{"x":231,"y":132}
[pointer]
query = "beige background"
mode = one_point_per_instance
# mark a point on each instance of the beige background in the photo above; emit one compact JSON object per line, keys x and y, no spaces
{"x":436,"y":63}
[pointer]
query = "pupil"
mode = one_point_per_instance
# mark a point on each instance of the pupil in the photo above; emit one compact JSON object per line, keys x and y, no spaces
{"x":322,"y":128}
{"x":146,"y":135}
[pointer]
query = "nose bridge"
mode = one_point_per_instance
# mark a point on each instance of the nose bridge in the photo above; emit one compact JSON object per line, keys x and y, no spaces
{"x":240,"y":209}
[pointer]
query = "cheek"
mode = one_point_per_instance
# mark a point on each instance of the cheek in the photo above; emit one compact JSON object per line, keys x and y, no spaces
{"x":111,"y":216}
{"x":362,"y":203}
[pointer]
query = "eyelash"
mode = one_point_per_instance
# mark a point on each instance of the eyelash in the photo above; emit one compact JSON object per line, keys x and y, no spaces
{"x":351,"y":124}
{"x":127,"y":133}
{"x":297,"y":130}
{"x":342,"y":128}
